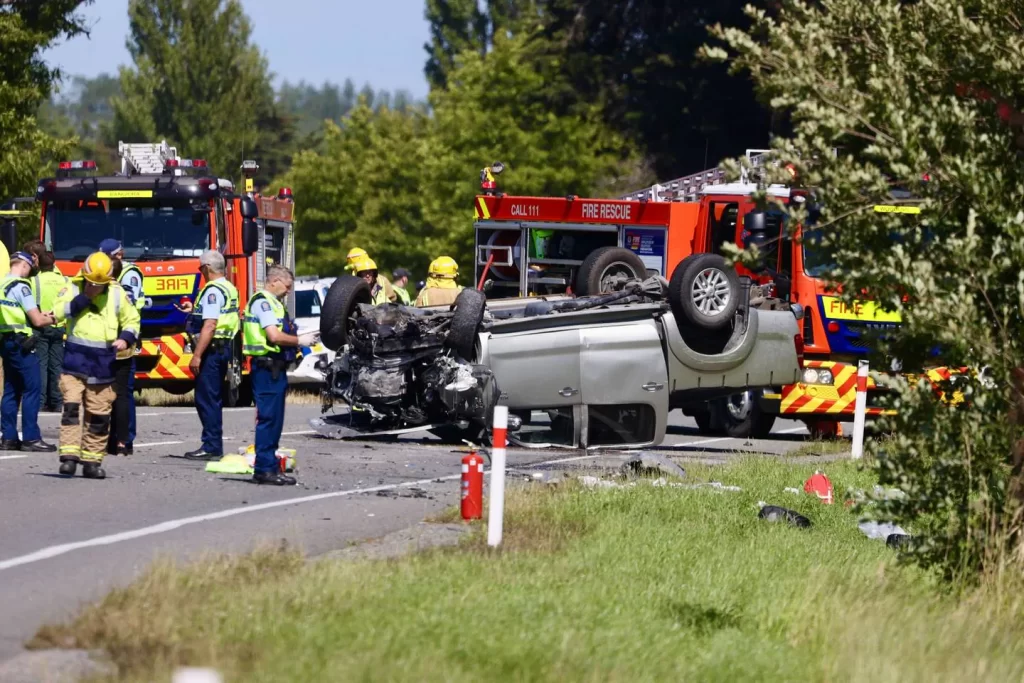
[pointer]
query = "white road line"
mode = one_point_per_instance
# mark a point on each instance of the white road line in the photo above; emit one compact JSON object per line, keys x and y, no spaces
{"x":171,"y":525}
{"x":12,"y":457}
{"x":304,"y":431}
{"x":157,"y":443}
{"x":794,"y":430}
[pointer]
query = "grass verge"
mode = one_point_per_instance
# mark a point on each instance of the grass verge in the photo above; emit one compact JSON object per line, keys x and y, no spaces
{"x":626,"y":584}
{"x":158,"y":397}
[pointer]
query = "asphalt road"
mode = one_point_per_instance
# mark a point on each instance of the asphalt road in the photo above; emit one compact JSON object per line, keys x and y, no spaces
{"x":64,"y":541}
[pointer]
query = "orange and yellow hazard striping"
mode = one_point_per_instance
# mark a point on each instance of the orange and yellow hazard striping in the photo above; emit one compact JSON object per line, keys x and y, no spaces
{"x":172,"y":360}
{"x":837,"y":398}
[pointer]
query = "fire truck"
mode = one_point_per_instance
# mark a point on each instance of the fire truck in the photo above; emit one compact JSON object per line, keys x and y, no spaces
{"x":529,"y":246}
{"x":165,"y":210}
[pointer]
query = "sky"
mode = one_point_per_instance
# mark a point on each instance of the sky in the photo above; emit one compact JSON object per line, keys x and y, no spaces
{"x":379,"y":42}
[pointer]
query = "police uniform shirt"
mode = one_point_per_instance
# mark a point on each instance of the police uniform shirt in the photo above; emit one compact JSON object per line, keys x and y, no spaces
{"x":132,"y":284}
{"x":265,"y":314}
{"x":214,"y":303}
{"x":22,"y":294}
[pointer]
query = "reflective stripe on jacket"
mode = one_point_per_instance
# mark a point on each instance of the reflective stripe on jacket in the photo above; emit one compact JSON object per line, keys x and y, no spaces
{"x":228,"y":321}
{"x":254,"y":337}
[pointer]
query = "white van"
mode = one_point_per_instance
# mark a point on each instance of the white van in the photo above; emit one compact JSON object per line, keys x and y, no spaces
{"x":309,"y":296}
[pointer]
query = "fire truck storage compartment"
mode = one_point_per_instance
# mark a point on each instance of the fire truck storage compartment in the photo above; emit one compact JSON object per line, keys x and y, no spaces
{"x":564,"y":250}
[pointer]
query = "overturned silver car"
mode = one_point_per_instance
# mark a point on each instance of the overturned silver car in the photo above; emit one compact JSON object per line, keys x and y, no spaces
{"x":592,"y":371}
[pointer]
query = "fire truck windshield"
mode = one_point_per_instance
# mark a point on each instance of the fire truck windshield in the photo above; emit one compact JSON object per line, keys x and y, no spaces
{"x":149,"y":229}
{"x":819,"y":258}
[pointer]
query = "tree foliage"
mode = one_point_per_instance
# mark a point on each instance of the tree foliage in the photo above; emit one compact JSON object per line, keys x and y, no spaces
{"x":311,"y":105}
{"x":199,"y":82}
{"x":906,"y":90}
{"x":27,"y":28}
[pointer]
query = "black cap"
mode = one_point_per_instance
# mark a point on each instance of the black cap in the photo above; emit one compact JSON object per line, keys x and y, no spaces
{"x":401,"y":272}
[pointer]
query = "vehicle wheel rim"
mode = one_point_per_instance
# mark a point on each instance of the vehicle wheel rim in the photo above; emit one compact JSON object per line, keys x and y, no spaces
{"x":739,"y":405}
{"x":615,"y":276}
{"x":710,"y":291}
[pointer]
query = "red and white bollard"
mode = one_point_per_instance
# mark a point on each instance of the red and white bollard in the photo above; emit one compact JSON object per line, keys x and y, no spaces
{"x":472,"y":486}
{"x":496,"y":513}
{"x":859,"y":410}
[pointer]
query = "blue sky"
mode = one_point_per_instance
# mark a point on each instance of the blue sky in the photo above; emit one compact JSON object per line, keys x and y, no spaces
{"x":378,"y":41}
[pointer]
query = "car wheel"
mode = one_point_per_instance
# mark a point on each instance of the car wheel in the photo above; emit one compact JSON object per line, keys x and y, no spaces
{"x":742,"y":417}
{"x":343,"y":296}
{"x":469,"y":313}
{"x":705,"y":292}
{"x":608,"y":269}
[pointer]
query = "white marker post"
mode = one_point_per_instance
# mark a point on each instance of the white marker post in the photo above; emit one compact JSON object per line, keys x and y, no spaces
{"x":496,"y":511}
{"x":859,"y":409}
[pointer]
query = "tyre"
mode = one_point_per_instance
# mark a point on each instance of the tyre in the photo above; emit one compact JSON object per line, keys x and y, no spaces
{"x":608,"y":269}
{"x":469,"y":313}
{"x":705,"y":423}
{"x":742,"y":417}
{"x":705,"y":292}
{"x":343,"y":296}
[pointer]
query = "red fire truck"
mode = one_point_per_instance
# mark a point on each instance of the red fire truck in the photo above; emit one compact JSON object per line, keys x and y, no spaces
{"x":166,"y":210}
{"x":547,"y":245}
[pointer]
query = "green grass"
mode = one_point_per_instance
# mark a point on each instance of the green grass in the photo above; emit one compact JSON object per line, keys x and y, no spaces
{"x":632,"y":584}
{"x":163,"y":399}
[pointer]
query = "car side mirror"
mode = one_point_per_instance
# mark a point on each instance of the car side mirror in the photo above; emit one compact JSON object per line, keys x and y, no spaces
{"x":754,"y":221}
{"x":9,"y":235}
{"x":250,"y":236}
{"x":249,"y":208}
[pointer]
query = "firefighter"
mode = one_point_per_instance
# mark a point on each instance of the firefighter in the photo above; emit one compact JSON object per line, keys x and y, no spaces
{"x":131,"y":280}
{"x":19,"y":313}
{"x":400,"y":284}
{"x":379,"y":287}
{"x":214,"y":324}
{"x":354,"y":254}
{"x":270,"y":340}
{"x":440,"y":289}
{"x":101,"y":323}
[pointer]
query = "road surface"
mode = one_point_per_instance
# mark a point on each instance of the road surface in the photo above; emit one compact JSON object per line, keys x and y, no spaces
{"x":64,"y":541}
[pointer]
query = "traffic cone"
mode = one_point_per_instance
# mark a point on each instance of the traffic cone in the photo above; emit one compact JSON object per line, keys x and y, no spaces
{"x":820,"y":486}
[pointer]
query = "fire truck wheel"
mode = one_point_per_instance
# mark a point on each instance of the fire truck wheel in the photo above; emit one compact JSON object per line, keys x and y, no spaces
{"x":741,"y":417}
{"x":469,"y":313}
{"x":704,"y":291}
{"x":341,"y":300}
{"x":608,"y":269}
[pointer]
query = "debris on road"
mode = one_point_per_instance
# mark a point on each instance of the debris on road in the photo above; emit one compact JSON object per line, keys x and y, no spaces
{"x":645,"y":463}
{"x":714,"y":485}
{"x":774,"y":513}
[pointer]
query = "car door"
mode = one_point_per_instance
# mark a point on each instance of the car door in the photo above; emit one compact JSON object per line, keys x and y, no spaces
{"x":625,"y":384}
{"x":536,"y":368}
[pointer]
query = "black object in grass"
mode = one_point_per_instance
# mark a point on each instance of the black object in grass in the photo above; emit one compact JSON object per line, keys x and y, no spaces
{"x":774,"y":513}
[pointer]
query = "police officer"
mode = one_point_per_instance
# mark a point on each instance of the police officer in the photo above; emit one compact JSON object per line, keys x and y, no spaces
{"x":266,"y":329}
{"x":18,"y":314}
{"x":102,"y":322}
{"x":131,"y":280}
{"x":214,"y":324}
{"x":441,"y":289}
{"x":50,"y":346}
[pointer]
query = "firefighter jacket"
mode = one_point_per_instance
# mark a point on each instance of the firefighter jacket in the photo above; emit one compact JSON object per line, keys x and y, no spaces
{"x":93,"y":325}
{"x":438,"y":291}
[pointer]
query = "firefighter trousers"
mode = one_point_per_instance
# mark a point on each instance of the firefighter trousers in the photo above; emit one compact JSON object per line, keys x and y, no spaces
{"x":85,"y":420}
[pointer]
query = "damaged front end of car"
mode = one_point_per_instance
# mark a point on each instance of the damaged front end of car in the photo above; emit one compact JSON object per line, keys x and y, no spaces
{"x":401,"y":372}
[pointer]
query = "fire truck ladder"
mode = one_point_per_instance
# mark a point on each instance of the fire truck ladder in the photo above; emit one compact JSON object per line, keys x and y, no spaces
{"x":689,"y":187}
{"x":144,"y":157}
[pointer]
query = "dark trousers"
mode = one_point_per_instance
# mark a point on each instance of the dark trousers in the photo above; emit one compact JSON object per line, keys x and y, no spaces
{"x":269,"y":389}
{"x":120,"y":416}
{"x":50,"y":352}
{"x":21,"y":388}
{"x":209,"y":397}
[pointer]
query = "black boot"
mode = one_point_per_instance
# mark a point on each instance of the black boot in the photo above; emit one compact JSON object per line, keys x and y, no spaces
{"x":200,"y":454}
{"x":10,"y":445}
{"x":92,"y":470}
{"x":68,"y":467}
{"x":38,"y":446}
{"x":274,"y":478}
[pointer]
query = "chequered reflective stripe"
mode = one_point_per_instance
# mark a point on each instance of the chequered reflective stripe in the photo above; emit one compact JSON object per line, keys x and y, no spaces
{"x":839,"y":398}
{"x":172,"y":361}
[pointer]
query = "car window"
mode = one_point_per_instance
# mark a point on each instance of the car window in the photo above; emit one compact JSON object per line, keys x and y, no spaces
{"x":554,"y":426}
{"x":620,"y":424}
{"x":307,"y":303}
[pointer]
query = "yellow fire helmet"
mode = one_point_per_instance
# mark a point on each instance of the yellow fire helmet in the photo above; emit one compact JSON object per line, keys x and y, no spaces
{"x":443,"y":266}
{"x":364,"y":264}
{"x":98,"y":269}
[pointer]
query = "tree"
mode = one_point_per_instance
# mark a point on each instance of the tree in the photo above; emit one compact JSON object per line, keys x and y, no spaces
{"x":906,"y":92}
{"x":27,"y":28}
{"x":83,"y":109}
{"x":198,"y":82}
{"x":500,"y":107}
{"x":455,"y":26}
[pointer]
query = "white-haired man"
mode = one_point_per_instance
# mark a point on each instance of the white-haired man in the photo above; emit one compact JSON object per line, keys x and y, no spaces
{"x":213,"y":325}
